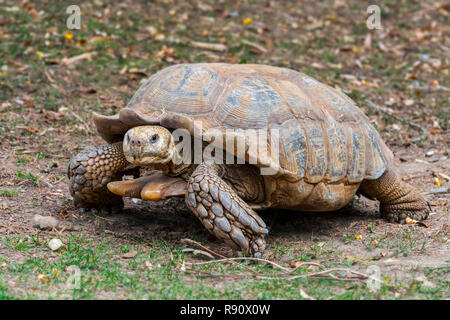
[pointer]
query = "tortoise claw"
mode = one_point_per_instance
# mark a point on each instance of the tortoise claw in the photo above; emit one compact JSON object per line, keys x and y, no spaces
{"x":156,"y":186}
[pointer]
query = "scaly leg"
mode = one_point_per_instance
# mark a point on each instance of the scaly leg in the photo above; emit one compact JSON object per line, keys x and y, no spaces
{"x":223,"y":212}
{"x":398,"y":200}
{"x":90,"y":171}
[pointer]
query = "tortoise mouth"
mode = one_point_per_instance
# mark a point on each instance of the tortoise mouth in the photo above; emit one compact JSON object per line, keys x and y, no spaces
{"x":145,"y":159}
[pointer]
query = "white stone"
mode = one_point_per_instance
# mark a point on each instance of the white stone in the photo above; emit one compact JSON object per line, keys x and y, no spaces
{"x":55,"y":244}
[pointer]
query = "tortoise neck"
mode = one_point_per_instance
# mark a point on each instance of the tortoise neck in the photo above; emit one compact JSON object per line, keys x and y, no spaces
{"x":174,"y":167}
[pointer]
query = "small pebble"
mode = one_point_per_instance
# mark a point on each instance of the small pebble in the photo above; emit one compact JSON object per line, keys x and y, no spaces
{"x":429,"y":153}
{"x":55,"y":244}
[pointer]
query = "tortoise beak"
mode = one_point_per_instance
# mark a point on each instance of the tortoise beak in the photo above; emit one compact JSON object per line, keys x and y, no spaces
{"x":156,"y":186}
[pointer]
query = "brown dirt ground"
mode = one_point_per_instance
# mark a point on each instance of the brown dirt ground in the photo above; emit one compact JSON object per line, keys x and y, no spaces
{"x":170,"y":219}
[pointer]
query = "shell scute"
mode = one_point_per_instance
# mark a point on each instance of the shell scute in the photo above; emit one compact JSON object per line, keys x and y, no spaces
{"x":317,"y":153}
{"x":324,"y":136}
{"x":338,"y":153}
{"x":356,"y":166}
{"x":295,"y":147}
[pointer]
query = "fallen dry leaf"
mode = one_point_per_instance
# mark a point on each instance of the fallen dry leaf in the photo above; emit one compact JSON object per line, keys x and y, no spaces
{"x":75,"y":59}
{"x":31,"y":129}
{"x":209,"y":46}
{"x":34,"y":15}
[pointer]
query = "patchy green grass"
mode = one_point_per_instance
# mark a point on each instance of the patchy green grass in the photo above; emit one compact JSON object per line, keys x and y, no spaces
{"x":9,"y":193}
{"x":161,"y":271}
{"x":28,"y":176}
{"x":4,"y":293}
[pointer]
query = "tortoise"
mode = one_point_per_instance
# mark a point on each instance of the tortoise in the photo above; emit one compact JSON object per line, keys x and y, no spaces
{"x":327,"y":151}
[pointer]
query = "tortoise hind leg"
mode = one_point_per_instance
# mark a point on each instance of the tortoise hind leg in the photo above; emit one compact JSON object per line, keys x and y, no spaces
{"x":91,"y":170}
{"x":398,"y":200}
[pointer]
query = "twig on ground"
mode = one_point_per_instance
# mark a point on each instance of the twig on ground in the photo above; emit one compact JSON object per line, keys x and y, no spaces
{"x":240,"y":258}
{"x":256,"y":46}
{"x":441,"y":175}
{"x":319,"y":274}
{"x":361,"y":276}
{"x":219,"y":255}
{"x":287,"y":270}
{"x":440,"y":190}
{"x":325,"y":274}
{"x":103,"y":218}
{"x":208,"y":46}
{"x":75,"y":59}
{"x":398,"y":118}
{"x":216,"y":275}
{"x":412,"y":177}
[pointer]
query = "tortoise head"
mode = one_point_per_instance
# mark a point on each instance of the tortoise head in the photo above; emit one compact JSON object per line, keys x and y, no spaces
{"x":148,"y":145}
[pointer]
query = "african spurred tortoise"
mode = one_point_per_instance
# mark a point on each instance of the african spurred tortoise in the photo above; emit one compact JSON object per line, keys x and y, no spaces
{"x":327,"y":150}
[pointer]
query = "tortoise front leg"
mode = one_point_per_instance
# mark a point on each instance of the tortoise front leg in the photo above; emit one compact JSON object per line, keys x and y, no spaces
{"x":398,"y":200}
{"x":223,"y":212}
{"x":90,"y":171}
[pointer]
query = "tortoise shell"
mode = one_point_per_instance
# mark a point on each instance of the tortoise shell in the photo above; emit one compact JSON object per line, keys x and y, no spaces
{"x":324,"y":136}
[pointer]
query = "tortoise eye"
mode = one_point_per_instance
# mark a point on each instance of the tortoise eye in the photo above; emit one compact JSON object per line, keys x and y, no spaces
{"x":154,"y":138}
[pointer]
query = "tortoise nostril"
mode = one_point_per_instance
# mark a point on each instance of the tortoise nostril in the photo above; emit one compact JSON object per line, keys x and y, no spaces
{"x":135,"y":141}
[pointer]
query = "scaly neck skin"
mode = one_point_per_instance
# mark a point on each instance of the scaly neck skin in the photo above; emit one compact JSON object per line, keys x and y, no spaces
{"x":174,"y":167}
